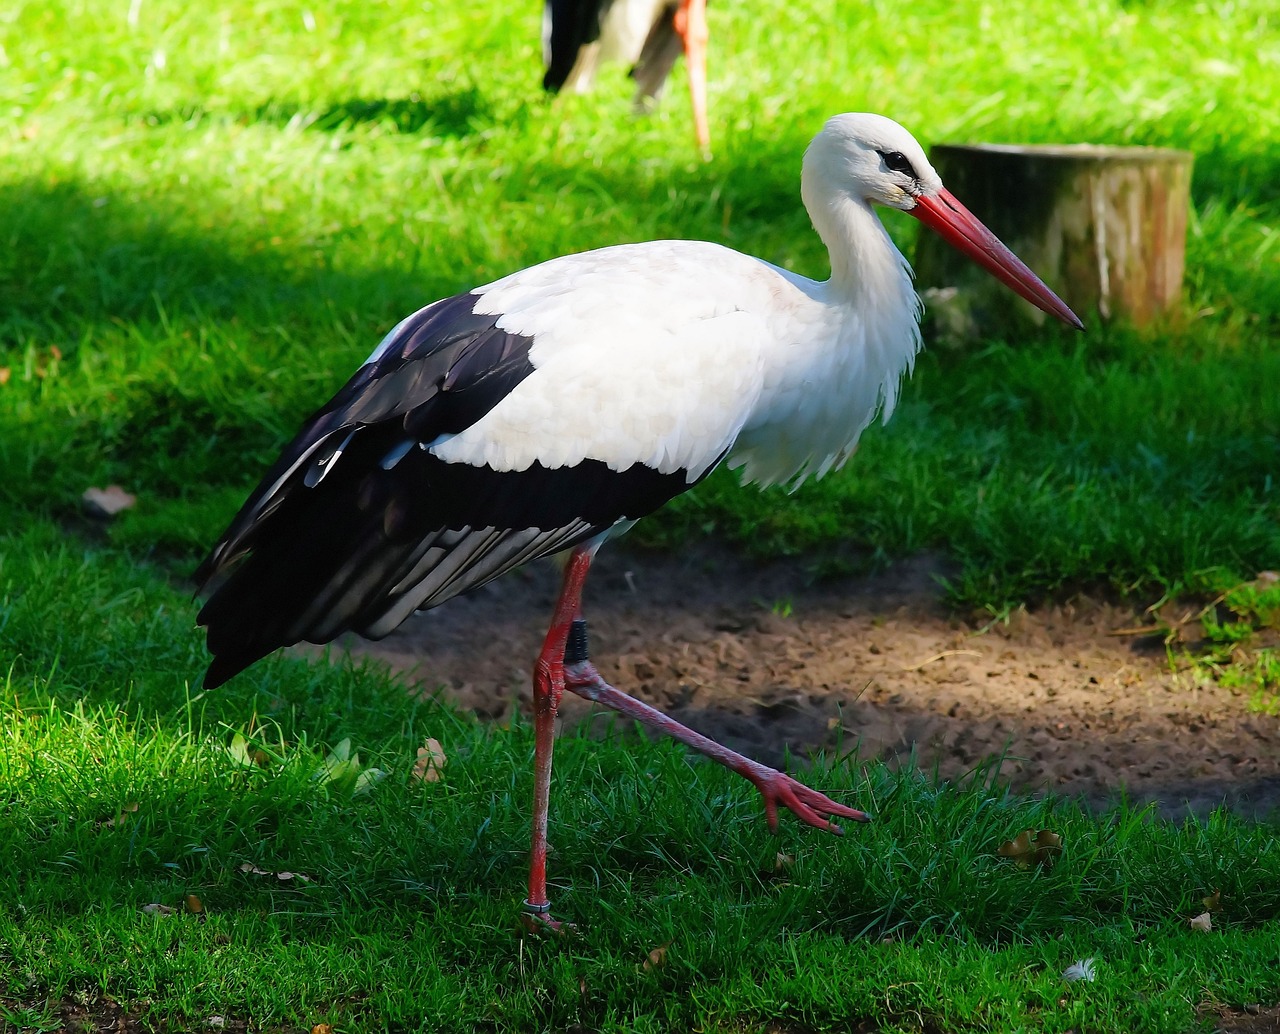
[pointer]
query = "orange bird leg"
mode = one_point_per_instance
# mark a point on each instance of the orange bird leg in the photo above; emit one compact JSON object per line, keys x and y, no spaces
{"x":548,"y":688}
{"x":691,"y":25}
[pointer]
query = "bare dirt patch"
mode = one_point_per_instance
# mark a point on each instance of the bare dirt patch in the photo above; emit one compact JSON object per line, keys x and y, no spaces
{"x":759,"y":658}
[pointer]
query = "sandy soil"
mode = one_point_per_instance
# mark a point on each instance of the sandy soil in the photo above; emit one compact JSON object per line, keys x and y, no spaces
{"x":759,"y":659}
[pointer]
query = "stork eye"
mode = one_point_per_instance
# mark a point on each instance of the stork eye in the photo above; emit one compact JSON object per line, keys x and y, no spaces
{"x":896,"y":161}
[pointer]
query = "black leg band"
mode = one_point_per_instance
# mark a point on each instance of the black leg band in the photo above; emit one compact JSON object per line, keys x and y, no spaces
{"x":575,"y":648}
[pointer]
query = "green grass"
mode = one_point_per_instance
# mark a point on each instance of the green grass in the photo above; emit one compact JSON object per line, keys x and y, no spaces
{"x":400,"y":913}
{"x":208,"y":216}
{"x":212,"y":245}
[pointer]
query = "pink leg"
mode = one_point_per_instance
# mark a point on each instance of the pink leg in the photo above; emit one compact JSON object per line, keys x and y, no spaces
{"x":563,"y":664}
{"x":776,"y":787}
{"x":691,"y":25}
{"x":548,"y":688}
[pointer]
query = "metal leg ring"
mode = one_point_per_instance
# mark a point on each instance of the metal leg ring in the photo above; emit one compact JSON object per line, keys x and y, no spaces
{"x":575,"y":648}
{"x":536,"y":910}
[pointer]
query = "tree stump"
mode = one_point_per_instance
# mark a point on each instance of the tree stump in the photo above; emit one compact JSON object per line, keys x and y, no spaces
{"x":1105,"y":227}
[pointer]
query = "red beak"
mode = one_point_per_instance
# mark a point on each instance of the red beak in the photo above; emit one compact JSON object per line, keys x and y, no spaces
{"x":960,"y":228}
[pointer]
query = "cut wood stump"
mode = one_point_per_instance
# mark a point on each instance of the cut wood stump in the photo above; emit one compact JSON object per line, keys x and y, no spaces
{"x":1105,"y":227}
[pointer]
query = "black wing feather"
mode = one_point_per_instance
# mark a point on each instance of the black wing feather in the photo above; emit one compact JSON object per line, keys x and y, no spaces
{"x":405,"y":385}
{"x":574,"y":24}
{"x":358,"y":524}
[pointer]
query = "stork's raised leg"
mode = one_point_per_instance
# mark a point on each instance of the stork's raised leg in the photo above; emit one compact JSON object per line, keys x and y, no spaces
{"x":777,"y":788}
{"x":691,"y":25}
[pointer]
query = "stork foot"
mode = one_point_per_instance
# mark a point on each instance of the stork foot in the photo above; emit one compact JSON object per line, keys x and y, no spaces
{"x":806,"y":803}
{"x":536,"y":919}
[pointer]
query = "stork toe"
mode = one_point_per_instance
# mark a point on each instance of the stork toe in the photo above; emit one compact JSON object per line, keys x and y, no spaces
{"x":806,"y":803}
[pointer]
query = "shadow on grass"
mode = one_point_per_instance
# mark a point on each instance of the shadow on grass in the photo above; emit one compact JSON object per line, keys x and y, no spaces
{"x":76,"y":253}
{"x":80,"y":252}
{"x":1228,"y":175}
{"x":208,"y":339}
{"x":456,"y":113}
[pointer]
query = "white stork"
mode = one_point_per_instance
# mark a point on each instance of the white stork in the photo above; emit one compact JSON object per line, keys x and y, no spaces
{"x":548,"y":410}
{"x":577,"y":35}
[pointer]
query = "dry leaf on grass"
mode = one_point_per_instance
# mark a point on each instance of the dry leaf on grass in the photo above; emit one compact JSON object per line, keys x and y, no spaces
{"x":1213,"y":903}
{"x":253,"y":870}
{"x":157,"y":909}
{"x":121,"y":816}
{"x":322,"y":1028}
{"x":45,"y":364}
{"x":783,"y":862}
{"x":195,"y":906}
{"x":1202,"y":922}
{"x":1030,"y":848}
{"x":658,"y":957}
{"x":431,"y":762}
{"x":105,"y":503}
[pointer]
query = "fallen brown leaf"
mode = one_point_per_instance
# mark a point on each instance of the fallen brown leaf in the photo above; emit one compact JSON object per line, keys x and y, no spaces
{"x":783,"y":862}
{"x":431,"y":762}
{"x":195,"y":906}
{"x":253,"y":870}
{"x":1030,"y":848}
{"x":1213,"y":903}
{"x":322,"y":1028}
{"x":658,"y":957}
{"x":105,"y":503}
{"x":120,"y":818}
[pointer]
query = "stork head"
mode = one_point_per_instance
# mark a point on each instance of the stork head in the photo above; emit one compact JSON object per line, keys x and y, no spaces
{"x":872,"y":160}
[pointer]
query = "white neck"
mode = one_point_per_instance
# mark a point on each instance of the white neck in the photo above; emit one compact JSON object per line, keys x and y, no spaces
{"x":831,"y":383}
{"x":867,"y":270}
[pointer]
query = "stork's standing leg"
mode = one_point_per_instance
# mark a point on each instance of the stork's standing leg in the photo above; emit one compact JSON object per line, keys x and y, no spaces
{"x":548,"y":688}
{"x":691,"y":24}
